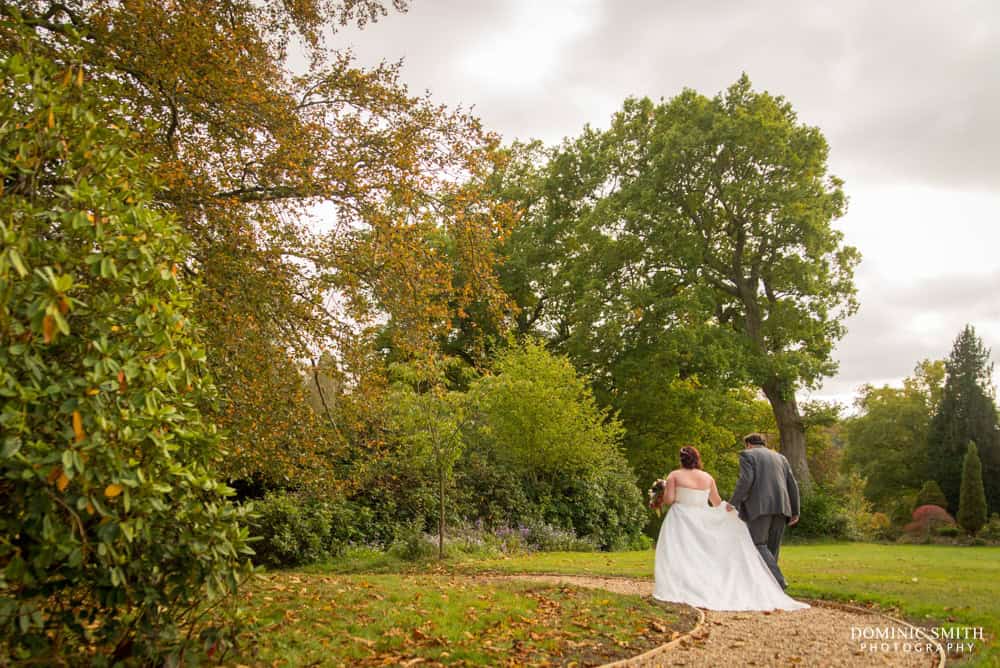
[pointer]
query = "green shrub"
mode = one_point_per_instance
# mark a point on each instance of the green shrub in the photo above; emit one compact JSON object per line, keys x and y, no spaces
{"x":542,"y":450}
{"x":606,"y":507}
{"x":901,"y":509}
{"x":856,"y":508}
{"x":399,"y":491}
{"x":948,"y":531}
{"x":290,"y":532}
{"x":114,"y":529}
{"x":991,"y":530}
{"x":412,"y":544}
{"x":821,"y":516}
{"x":491,"y":492}
{"x":880,"y":528}
{"x":350,"y":524}
{"x":930,"y":494}
{"x":295,"y":529}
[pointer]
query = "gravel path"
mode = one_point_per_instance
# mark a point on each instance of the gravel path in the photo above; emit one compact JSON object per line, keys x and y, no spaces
{"x":820,"y":636}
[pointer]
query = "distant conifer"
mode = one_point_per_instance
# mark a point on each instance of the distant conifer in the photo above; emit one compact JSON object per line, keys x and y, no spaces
{"x":972,"y":504}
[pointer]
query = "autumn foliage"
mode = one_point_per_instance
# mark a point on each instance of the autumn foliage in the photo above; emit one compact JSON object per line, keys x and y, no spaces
{"x":928,"y":517}
{"x":245,"y":149}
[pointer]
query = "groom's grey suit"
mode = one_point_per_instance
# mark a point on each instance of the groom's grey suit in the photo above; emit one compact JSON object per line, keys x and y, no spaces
{"x":766,"y":496}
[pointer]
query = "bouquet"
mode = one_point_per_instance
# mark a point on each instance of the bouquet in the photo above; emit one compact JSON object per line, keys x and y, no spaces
{"x":656,"y":495}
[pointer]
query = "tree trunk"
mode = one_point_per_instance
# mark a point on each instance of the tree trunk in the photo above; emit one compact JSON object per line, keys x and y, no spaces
{"x":441,"y":514}
{"x":791,"y":429}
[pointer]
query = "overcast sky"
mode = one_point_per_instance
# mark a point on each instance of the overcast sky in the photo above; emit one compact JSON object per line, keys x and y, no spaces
{"x":907,"y":93}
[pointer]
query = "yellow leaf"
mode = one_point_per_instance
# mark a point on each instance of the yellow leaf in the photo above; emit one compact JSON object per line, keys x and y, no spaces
{"x":90,"y":508}
{"x":112,"y":490}
{"x":63,"y":482}
{"x":52,"y":118}
{"x":78,"y":426}
{"x":79,"y":77}
{"x":92,"y":391}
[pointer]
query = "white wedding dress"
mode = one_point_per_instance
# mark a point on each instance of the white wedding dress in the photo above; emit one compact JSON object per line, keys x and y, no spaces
{"x":706,"y":558}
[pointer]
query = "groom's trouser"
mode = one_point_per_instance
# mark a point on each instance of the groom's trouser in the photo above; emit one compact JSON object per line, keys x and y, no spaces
{"x":766,"y":532}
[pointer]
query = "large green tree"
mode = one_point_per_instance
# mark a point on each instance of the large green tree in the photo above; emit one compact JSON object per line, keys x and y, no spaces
{"x":115,"y":531}
{"x":693,"y":236}
{"x":967,"y":412}
{"x":887,"y":440}
{"x":245,"y":147}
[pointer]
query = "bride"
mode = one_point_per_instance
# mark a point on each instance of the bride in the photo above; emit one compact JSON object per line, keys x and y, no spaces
{"x":704,"y":554}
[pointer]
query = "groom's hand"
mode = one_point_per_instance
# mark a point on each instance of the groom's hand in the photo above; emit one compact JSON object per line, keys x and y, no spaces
{"x":729,"y":507}
{"x":795,"y":520}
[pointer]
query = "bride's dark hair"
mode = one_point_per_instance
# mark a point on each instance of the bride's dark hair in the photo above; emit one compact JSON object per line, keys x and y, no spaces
{"x":690,"y":457}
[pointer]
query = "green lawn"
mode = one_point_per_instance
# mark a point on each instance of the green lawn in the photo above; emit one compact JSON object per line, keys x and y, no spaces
{"x":373,"y":620}
{"x":346,"y":612}
{"x":930,"y":584}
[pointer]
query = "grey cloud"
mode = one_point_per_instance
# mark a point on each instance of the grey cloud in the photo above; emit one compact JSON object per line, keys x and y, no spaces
{"x":955,"y":295}
{"x":885,"y":340}
{"x":905,"y":91}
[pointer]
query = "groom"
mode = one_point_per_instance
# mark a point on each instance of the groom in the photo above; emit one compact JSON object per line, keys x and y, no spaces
{"x":767,"y":498}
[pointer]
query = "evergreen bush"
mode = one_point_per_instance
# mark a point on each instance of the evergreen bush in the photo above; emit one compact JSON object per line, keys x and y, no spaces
{"x":931,"y":495}
{"x":972,"y":501}
{"x":114,"y":529}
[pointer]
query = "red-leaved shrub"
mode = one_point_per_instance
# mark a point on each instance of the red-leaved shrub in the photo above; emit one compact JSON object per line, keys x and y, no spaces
{"x":928,"y":517}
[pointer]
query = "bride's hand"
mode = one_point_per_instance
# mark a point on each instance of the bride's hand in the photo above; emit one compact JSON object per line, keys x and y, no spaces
{"x":729,"y":508}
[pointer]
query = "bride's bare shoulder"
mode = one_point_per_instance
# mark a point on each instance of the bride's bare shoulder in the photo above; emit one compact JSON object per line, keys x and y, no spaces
{"x":689,"y":475}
